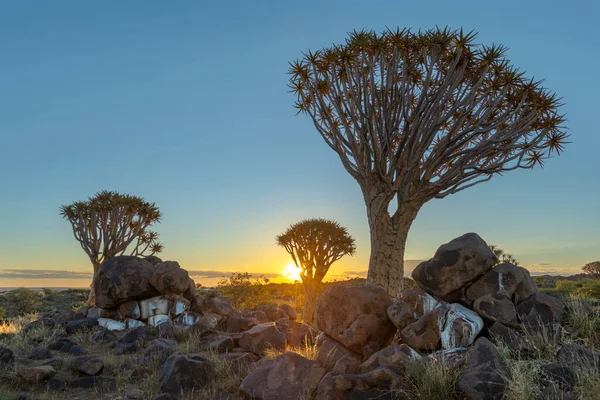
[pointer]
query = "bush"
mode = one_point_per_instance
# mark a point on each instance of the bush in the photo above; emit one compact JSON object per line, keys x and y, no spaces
{"x":20,"y":302}
{"x":588,"y":288}
{"x":243,"y":291}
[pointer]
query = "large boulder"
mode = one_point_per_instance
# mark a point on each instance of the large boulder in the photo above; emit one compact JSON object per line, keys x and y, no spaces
{"x":262,"y":337}
{"x":334,"y":355}
{"x":484,"y":376}
{"x":121,"y":279}
{"x":356,"y":316}
{"x":547,"y":311}
{"x":288,"y":377}
{"x":169,"y":277}
{"x":419,"y":301}
{"x":454,"y":265}
{"x":401,"y":314}
{"x":182,"y":374}
{"x":497,"y":307}
{"x":377,"y":384}
{"x":217,"y":305}
{"x":393,"y":355}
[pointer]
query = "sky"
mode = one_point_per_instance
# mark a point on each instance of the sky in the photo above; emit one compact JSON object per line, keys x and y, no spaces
{"x":185,"y":104}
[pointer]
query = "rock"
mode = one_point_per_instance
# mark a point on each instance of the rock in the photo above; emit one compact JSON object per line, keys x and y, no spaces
{"x":553,"y":392}
{"x":138,"y":335}
{"x":211,"y":321}
{"x":135,"y":394}
{"x":154,"y":306}
{"x":125,"y":348}
{"x":241,"y":359}
{"x":220,"y":344}
{"x":56,"y":384}
{"x":331,"y":352}
{"x":169,"y":277}
{"x":166,"y":330}
{"x":283,"y":325}
{"x":43,"y":322}
{"x":6,"y":356}
{"x":104,"y":336}
{"x":130,"y":309}
{"x":400,"y":314}
{"x":121,"y":279}
{"x":258,"y":315}
{"x":218,"y":305}
{"x":39,"y":373}
{"x":77,"y":350}
{"x":239,"y":324}
{"x":483,"y":378}
{"x":393,"y":355}
{"x":24,"y":396}
{"x":187,"y":318}
{"x":111,"y":324}
{"x":159,"y":350}
{"x":93,"y":312}
{"x":156,"y":320}
{"x":577,"y":355}
{"x":111,"y":313}
{"x":40,"y":353}
{"x":81,"y":325}
{"x":154,"y":260}
{"x":424,"y":334}
{"x":510,"y":338}
{"x":289,"y":310}
{"x":496,"y":307}
{"x":419,"y":301}
{"x":547,"y":310}
{"x":376,"y":384}
{"x":356,"y":316}
{"x":452,"y":358}
{"x":270,"y":311}
{"x":63,"y":345}
{"x":180,"y":373}
{"x":454,"y":265}
{"x":88,"y":365}
{"x":515,"y":281}
{"x":301,"y":335}
{"x":163,"y":396}
{"x":133,"y":323}
{"x":179,"y":304}
{"x":459,"y":327}
{"x":100,"y":383}
{"x":289,"y":377}
{"x":561,"y":375}
{"x":262,"y":337}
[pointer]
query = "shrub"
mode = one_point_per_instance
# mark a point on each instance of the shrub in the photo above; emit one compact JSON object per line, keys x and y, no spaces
{"x":20,"y":302}
{"x":243,"y":291}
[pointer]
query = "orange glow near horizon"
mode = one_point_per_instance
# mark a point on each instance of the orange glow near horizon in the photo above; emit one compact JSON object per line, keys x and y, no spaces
{"x":291,"y":272}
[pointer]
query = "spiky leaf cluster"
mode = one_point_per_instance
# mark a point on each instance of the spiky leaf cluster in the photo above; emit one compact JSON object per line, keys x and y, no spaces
{"x":592,"y":268}
{"x":106,"y":224}
{"x":431,"y":112}
{"x":315,"y":244}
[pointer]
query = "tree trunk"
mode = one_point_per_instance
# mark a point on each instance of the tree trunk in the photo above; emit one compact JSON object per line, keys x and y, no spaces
{"x":311,"y":294}
{"x":388,"y":241}
{"x":92,"y":297}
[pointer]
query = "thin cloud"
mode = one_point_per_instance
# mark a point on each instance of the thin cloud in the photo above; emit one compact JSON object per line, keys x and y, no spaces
{"x":226,"y":274}
{"x":43,"y":274}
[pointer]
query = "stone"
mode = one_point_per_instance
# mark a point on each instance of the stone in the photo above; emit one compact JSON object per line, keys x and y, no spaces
{"x":63,"y":345}
{"x":81,"y":325}
{"x":400,"y":314}
{"x":187,"y":318}
{"x":24,"y":396}
{"x":376,"y":384}
{"x":104,"y":336}
{"x":180,"y":373}
{"x":123,"y":278}
{"x":88,"y":365}
{"x":288,"y":377}
{"x":483,"y":378}
{"x":130,"y":309}
{"x":330,"y":352}
{"x":138,"y":335}
{"x":496,"y":307}
{"x":111,"y":313}
{"x":239,"y":323}
{"x":217,"y":305}
{"x":166,"y":330}
{"x":77,"y":350}
{"x":301,"y":335}
{"x":35,"y":374}
{"x":179,"y":304}
{"x":40,"y":353}
{"x":133,"y":323}
{"x":163,"y":396}
{"x":100,"y":383}
{"x":262,"y":337}
{"x":577,"y":355}
{"x":419,"y":301}
{"x":111,"y":324}
{"x":424,"y":334}
{"x":561,"y":375}
{"x":169,"y":277}
{"x":259,"y":315}
{"x":159,"y":350}
{"x":56,"y":384}
{"x":156,"y":320}
{"x":356,"y":316}
{"x":510,"y":338}
{"x":452,"y":358}
{"x":93,"y":312}
{"x":43,"y":322}
{"x":283,"y":325}
{"x":135,"y":394}
{"x":289,"y":310}
{"x":547,"y":310}
{"x":125,"y":348}
{"x":154,"y":260}
{"x":454,"y":265}
{"x":218,"y":343}
{"x":393,"y":355}
{"x":459,"y":326}
{"x":553,"y":392}
{"x":515,"y":281}
{"x":7,"y":357}
{"x":154,"y":306}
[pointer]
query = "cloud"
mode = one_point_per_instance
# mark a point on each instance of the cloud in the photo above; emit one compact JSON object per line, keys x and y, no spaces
{"x":226,"y":274}
{"x":43,"y":274}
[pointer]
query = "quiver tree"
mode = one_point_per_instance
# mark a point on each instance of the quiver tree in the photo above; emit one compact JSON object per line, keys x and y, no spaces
{"x":110,"y":223}
{"x":416,"y":116}
{"x":502,"y":256}
{"x":593,"y":269}
{"x":315,"y":244}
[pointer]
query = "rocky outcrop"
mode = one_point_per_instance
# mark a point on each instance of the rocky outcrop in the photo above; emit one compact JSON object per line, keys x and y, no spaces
{"x":356,"y":316}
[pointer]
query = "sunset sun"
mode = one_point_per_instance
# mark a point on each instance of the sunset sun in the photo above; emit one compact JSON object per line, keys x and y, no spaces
{"x":291,"y":272}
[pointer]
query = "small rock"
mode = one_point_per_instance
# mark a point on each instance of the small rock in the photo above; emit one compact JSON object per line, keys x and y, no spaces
{"x":111,"y":324}
{"x":483,"y":378}
{"x":125,"y":348}
{"x":180,"y":373}
{"x":88,"y":365}
{"x":40,"y":373}
{"x":259,"y":315}
{"x":157,"y":320}
{"x":40,"y":353}
{"x":81,"y":325}
{"x":393,"y":355}
{"x":331,"y":352}
{"x":221,"y":344}
{"x":400,"y":314}
{"x":77,"y":350}
{"x":135,"y":394}
{"x":104,"y":336}
{"x":56,"y":384}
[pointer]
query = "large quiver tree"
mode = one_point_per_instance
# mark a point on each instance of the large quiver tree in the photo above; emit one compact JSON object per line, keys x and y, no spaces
{"x":418,"y":116}
{"x":315,"y":244}
{"x":109,"y":223}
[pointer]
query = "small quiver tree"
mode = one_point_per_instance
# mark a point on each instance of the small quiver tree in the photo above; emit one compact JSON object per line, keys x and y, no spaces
{"x":109,"y":223}
{"x":416,"y":116}
{"x":315,"y":244}
{"x":502,"y":256}
{"x":593,"y":269}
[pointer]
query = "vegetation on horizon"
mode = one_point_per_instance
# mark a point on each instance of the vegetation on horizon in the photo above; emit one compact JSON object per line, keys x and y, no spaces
{"x":416,"y":116}
{"x":593,"y":269}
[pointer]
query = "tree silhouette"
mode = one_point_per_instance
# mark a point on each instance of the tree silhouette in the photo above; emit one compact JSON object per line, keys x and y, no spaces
{"x":108,"y":223}
{"x":502,"y":256}
{"x":416,"y":116}
{"x":315,"y":244}
{"x":592,"y":268}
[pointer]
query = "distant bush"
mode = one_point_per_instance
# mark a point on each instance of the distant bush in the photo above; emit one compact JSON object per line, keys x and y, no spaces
{"x":588,"y":288}
{"x":2,"y":312}
{"x":20,"y":302}
{"x":243,"y":291}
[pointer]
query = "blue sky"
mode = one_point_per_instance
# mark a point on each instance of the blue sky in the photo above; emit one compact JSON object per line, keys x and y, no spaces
{"x":186,"y":104}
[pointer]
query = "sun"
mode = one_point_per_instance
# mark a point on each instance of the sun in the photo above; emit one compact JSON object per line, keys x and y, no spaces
{"x":291,"y":272}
